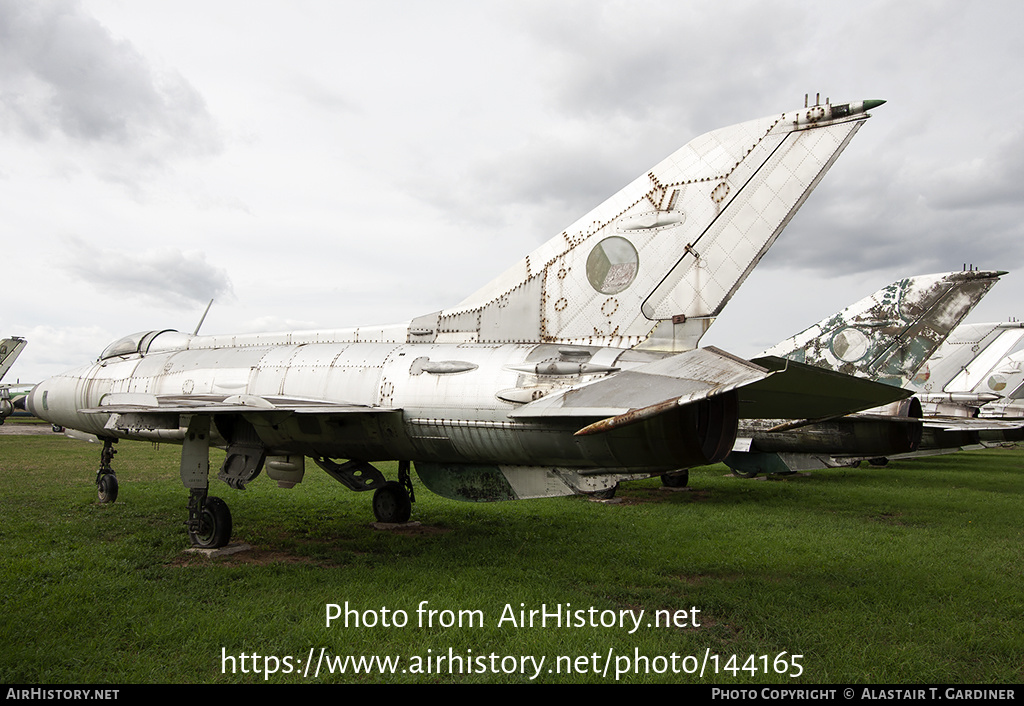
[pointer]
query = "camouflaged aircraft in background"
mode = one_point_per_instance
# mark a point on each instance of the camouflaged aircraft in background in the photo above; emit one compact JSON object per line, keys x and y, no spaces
{"x":575,"y":369}
{"x":888,"y":337}
{"x":10,"y":398}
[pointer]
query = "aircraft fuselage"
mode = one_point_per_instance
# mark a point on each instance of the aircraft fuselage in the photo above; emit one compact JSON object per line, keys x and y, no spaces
{"x":443,"y":403}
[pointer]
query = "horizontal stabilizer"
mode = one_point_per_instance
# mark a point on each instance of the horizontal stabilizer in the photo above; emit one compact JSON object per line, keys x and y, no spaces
{"x":672,"y":381}
{"x":971,"y":424}
{"x":798,"y":391}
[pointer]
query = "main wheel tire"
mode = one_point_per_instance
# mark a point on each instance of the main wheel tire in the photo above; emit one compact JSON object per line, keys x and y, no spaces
{"x":391,"y":503}
{"x":106,"y":488}
{"x":676,"y":480}
{"x":214,"y":525}
{"x":745,"y":474}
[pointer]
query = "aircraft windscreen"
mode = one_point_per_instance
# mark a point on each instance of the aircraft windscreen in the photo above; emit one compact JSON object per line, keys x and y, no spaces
{"x":166,"y":340}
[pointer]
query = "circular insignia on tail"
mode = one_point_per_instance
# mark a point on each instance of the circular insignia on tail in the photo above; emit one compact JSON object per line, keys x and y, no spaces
{"x":997,"y":383}
{"x":612,"y":265}
{"x":850,"y":345}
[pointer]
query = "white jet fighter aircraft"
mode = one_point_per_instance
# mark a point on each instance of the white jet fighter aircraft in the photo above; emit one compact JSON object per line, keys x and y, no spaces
{"x":969,"y":370}
{"x":575,"y":369}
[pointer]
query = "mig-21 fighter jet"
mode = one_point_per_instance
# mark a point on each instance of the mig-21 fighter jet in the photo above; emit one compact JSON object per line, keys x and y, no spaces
{"x":573,"y":370}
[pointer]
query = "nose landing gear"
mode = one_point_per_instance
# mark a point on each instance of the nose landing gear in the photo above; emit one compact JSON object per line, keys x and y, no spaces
{"x":209,"y":520}
{"x":211,"y":528}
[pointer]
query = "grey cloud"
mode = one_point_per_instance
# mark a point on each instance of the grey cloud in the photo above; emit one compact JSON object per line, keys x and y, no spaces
{"x":621,"y":82}
{"x":680,"y":74}
{"x":165,"y":276}
{"x":989,"y":180}
{"x":319,"y":94}
{"x":627,"y":84}
{"x":62,"y":71}
{"x":569,"y":177}
{"x":646,"y":61}
{"x":846,"y":232}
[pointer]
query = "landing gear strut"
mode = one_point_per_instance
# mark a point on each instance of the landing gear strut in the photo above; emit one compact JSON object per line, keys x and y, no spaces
{"x":209,"y":520}
{"x":106,"y":481}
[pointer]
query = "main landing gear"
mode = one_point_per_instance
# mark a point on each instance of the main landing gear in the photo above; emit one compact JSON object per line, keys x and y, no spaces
{"x":106,"y":481}
{"x":209,"y":519}
{"x":676,"y":479}
{"x":393,"y":501}
{"x":746,"y":472}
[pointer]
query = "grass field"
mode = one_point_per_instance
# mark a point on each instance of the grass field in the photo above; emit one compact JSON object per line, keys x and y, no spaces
{"x":911,"y":573}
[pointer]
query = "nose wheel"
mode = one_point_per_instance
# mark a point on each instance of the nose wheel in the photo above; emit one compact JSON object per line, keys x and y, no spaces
{"x":106,"y":488}
{"x":213,"y":529}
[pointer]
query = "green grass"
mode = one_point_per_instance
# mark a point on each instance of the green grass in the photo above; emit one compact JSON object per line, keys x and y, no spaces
{"x":911,"y":573}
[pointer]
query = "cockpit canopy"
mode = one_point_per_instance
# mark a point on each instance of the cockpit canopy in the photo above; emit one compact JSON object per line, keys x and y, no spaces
{"x":145,"y":342}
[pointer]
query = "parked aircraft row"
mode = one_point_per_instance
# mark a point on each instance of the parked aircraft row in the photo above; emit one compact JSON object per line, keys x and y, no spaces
{"x":906,"y":334}
{"x":574,"y":370}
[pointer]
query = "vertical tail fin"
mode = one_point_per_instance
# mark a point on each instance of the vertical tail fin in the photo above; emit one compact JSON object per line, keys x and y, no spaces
{"x":666,"y":253}
{"x":973,"y":359}
{"x":889,"y":335}
{"x":10,"y":349}
{"x":1007,"y":380}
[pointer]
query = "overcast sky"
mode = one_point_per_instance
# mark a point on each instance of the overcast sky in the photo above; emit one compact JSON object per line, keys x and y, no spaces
{"x":330,"y":164}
